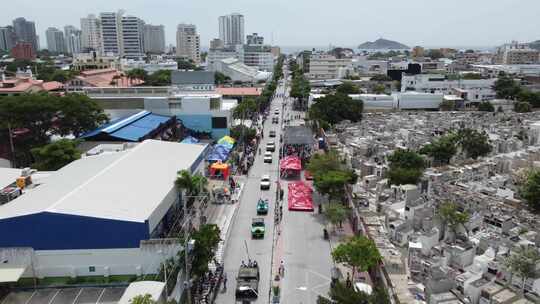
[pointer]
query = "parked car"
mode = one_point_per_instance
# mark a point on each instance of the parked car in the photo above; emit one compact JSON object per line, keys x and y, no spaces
{"x":272,"y":133}
{"x":275,"y":120}
{"x":262,"y":207}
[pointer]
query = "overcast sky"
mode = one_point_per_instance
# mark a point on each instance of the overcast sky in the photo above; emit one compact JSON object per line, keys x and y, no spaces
{"x":313,"y":22}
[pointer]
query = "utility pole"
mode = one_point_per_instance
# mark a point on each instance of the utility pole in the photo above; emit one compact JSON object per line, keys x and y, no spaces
{"x":10,"y":134}
{"x":186,"y":263}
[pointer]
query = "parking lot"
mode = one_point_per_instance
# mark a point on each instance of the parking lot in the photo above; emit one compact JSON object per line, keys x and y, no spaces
{"x":95,"y":295}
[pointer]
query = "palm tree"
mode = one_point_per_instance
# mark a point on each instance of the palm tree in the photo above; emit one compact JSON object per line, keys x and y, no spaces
{"x":193,"y":185}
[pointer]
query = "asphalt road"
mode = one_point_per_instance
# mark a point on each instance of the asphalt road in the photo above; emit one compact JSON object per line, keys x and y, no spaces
{"x":260,"y":249}
{"x":306,"y":255}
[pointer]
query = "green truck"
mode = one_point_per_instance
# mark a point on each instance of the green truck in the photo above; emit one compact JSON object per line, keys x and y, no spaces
{"x":257,"y":228}
{"x":247,"y":284}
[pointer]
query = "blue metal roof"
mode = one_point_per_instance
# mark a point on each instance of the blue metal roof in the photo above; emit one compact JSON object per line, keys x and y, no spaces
{"x":131,"y":128}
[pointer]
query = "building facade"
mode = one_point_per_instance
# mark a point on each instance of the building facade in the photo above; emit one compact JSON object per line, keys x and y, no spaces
{"x":259,"y":56}
{"x":23,"y":50}
{"x":255,"y":39}
{"x":109,"y":33}
{"x":90,"y":33}
{"x":215,"y":55}
{"x":323,"y":66}
{"x":25,"y":31}
{"x":517,"y":53}
{"x":7,"y":38}
{"x":55,"y":40}
{"x":131,"y":37}
{"x":216,"y":44}
{"x":188,"y":44}
{"x":72,"y":36}
{"x":231,"y":29}
{"x":470,"y":90}
{"x":154,"y":39}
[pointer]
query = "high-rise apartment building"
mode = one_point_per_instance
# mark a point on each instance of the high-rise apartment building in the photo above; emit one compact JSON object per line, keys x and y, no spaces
{"x":231,"y":29}
{"x":7,"y":38}
{"x":255,"y":39}
{"x":25,"y":31}
{"x":188,"y":44}
{"x":55,"y":40}
{"x":154,"y":39}
{"x":122,"y":35}
{"x":216,"y":44}
{"x":72,"y":36}
{"x":90,"y":34}
{"x":110,"y":31}
{"x":131,"y":37}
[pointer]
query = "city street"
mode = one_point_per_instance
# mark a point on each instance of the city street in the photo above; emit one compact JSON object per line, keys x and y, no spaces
{"x":260,"y":249}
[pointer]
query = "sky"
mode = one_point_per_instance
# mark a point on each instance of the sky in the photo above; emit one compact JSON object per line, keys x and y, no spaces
{"x":435,"y":23}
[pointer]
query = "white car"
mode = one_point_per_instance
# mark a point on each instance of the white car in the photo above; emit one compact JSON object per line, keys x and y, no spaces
{"x":271,"y":146}
{"x":268,"y":157}
{"x":265,"y":182}
{"x":276,"y":111}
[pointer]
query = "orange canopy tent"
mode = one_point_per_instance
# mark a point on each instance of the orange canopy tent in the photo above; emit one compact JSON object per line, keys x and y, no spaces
{"x":219,"y":167}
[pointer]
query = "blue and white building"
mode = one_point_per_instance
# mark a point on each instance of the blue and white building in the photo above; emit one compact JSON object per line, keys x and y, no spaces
{"x":106,"y":214}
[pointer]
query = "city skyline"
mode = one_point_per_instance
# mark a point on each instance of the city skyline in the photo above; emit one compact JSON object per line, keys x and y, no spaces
{"x":417,"y":22}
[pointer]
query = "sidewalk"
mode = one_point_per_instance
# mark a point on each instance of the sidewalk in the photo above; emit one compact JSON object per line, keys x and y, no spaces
{"x":339,"y":236}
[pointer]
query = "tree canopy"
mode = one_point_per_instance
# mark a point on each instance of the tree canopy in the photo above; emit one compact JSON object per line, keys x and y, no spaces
{"x":359,"y":252}
{"x":347,"y":88}
{"x":221,"y":78}
{"x":523,"y":262}
{"x":206,"y":240}
{"x":336,"y":213}
{"x":56,"y":155}
{"x":334,"y":108}
{"x":530,"y":190}
{"x":486,"y":106}
{"x":506,"y":87}
{"x":450,"y":215}
{"x":142,"y":299}
{"x":441,"y":149}
{"x":474,"y":143}
{"x":522,"y":107}
{"x":329,"y":176}
{"x":406,"y":167}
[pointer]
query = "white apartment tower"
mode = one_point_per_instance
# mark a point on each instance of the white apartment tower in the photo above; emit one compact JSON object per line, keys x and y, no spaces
{"x":90,"y":34}
{"x":154,"y":39}
{"x":131,"y":37}
{"x":188,"y":44}
{"x":110,"y":31}
{"x":55,"y":40}
{"x":72,"y":35}
{"x":231,"y":29}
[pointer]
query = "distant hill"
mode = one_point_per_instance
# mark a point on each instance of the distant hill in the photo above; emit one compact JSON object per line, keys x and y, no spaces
{"x":382,"y":44}
{"x":535,"y":45}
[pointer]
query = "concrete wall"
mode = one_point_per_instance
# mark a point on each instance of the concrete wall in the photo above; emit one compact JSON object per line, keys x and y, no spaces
{"x":126,"y":261}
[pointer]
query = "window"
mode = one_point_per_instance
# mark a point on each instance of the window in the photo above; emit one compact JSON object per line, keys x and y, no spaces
{"x":92,"y":269}
{"x":215,"y":103}
{"x":219,"y":122}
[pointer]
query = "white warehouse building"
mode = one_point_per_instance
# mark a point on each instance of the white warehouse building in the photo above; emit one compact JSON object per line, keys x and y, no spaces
{"x":475,"y":90}
{"x":100,"y":215}
{"x":397,"y":101}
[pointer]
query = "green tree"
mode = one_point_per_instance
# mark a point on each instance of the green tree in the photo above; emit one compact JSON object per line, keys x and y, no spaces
{"x":139,"y":74}
{"x":381,"y":77}
{"x":206,"y":240}
{"x":447,"y":105}
{"x":523,"y":262}
{"x":472,"y":76}
{"x":78,"y":114}
{"x":341,"y":294}
{"x":243,"y":134}
{"x":530,"y":190}
{"x":322,"y":163}
{"x":359,"y":252}
{"x":379,"y":89}
{"x":336,"y":213}
{"x":186,"y":65}
{"x":434,"y":54}
{"x":532,"y":98}
{"x":522,"y":107}
{"x":451,"y":217}
{"x":442,"y":149}
{"x":221,"y":78}
{"x":56,"y":155}
{"x":474,"y":143}
{"x":332,"y":183}
{"x":347,"y":88}
{"x":506,"y":87}
{"x":158,"y":78}
{"x":245,"y":109}
{"x":142,"y":299}
{"x":406,"y":167}
{"x":193,"y":184}
{"x":486,"y":106}
{"x":334,"y":108}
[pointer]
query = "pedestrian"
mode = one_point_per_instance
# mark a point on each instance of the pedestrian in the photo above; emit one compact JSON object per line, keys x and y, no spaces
{"x":281,"y":269}
{"x":348,"y":281}
{"x":224,"y":281}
